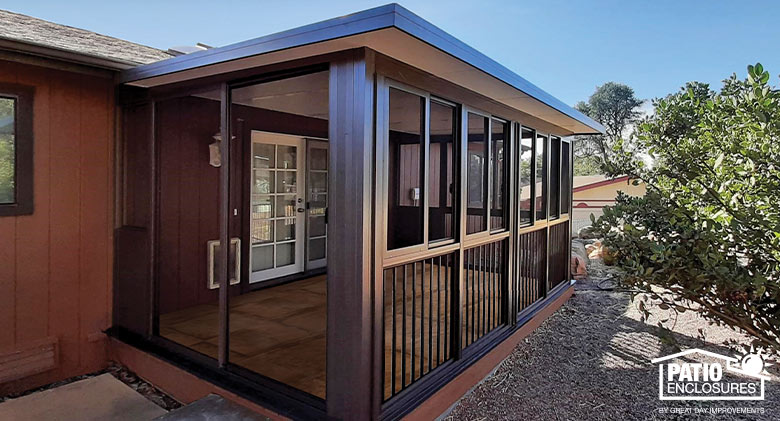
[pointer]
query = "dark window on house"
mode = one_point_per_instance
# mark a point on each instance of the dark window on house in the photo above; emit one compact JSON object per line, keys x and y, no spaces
{"x":477,"y":176}
{"x":565,"y":178}
{"x":442,"y":166}
{"x":499,"y":146}
{"x":555,"y":177}
{"x":526,"y":170}
{"x":541,"y":177}
{"x":406,"y":171}
{"x":16,"y":150}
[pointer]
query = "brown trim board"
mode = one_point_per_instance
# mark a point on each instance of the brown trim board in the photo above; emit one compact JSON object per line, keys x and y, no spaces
{"x":180,"y":384}
{"x":448,"y":395}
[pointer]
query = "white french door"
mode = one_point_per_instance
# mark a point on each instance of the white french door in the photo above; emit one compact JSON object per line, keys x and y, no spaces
{"x":277,"y":206}
{"x":316,"y":204}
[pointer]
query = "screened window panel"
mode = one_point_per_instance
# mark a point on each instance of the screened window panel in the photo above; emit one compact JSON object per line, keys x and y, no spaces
{"x":477,"y":177}
{"x":541,"y":177}
{"x":565,"y":177}
{"x":405,"y":169}
{"x":555,"y":177}
{"x":442,"y":167}
{"x":525,"y":179}
{"x":498,"y":201}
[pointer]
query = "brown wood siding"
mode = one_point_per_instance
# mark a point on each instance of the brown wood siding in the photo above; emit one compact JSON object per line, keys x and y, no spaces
{"x":189,"y":188}
{"x":55,"y":265}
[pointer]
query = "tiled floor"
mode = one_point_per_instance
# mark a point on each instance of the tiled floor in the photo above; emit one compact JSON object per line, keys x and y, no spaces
{"x":278,"y":332}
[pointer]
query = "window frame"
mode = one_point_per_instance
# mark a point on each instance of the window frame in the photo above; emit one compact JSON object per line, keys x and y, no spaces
{"x":385,"y":167}
{"x":566,"y":212}
{"x":506,"y":175}
{"x":488,"y":185}
{"x":532,"y":194}
{"x":554,"y":212}
{"x":23,"y":95}
{"x":456,"y":150}
{"x":545,"y":186}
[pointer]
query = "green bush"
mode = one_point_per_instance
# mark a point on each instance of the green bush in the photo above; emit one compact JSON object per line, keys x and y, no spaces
{"x":706,"y":237}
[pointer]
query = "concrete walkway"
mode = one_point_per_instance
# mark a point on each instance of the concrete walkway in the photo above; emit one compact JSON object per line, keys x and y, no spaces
{"x":96,"y":398}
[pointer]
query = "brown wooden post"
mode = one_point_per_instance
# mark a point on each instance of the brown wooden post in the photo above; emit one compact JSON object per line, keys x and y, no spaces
{"x":134,"y":237}
{"x":511,"y":144}
{"x":350,"y":284}
{"x":571,"y":200}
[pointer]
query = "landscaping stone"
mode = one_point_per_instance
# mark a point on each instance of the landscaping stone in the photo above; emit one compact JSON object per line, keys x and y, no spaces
{"x":586,"y":233}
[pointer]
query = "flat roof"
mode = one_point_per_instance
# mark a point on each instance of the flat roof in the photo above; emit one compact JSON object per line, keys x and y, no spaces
{"x":390,"y":29}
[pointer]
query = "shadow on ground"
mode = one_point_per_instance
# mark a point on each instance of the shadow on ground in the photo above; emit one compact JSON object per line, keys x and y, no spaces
{"x":591,"y":361}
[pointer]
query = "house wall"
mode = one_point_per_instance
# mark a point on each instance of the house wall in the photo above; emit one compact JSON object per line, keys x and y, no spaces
{"x":591,"y":201}
{"x":56,"y":264}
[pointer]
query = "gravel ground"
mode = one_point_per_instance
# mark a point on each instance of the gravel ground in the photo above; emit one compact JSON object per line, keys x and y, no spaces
{"x":591,"y":361}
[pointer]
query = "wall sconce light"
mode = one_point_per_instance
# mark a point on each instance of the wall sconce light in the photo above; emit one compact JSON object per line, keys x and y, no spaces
{"x":215,"y":154}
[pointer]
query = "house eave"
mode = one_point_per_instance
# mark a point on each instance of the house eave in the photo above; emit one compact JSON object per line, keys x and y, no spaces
{"x":34,"y":49}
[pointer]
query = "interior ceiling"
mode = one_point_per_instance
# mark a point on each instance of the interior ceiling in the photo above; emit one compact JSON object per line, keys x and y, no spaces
{"x":405,"y":48}
{"x":303,"y":95}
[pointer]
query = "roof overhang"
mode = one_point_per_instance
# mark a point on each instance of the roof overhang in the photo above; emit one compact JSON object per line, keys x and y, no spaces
{"x":50,"y":52}
{"x":390,"y":30}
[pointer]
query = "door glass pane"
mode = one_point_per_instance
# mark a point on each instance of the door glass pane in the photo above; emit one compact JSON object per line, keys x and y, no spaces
{"x":285,"y":229}
{"x":317,"y":187}
{"x":285,"y":254}
{"x":499,"y":134}
{"x":319,"y":181}
{"x":263,"y":155}
{"x":261,"y":226}
{"x":285,"y":206}
{"x":262,"y":257}
{"x":286,"y":182}
{"x":541,"y":177}
{"x":264,"y":182}
{"x":441,"y":173}
{"x":318,"y":159}
{"x":287,"y":157}
{"x":477,"y":176}
{"x":316,"y":226}
{"x":278,"y":330}
{"x":405,"y":175}
{"x":526,"y":173}
{"x":317,"y":249}
{"x":187,"y":296}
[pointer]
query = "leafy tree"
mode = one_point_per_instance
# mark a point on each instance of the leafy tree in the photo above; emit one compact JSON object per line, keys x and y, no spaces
{"x":706,"y":236}
{"x":587,"y":165}
{"x":616,"y":107}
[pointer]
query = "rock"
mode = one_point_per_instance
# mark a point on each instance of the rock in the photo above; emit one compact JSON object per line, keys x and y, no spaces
{"x":586,"y":233}
{"x":578,"y":249}
{"x":579,"y":270}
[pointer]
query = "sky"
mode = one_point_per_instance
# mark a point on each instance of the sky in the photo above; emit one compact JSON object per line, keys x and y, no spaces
{"x":567,"y":48}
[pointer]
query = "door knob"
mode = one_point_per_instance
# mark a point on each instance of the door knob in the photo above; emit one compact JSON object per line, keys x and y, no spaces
{"x":300,"y":210}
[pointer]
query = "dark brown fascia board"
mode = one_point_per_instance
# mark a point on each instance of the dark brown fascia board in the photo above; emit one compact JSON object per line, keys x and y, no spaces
{"x":382,"y":17}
